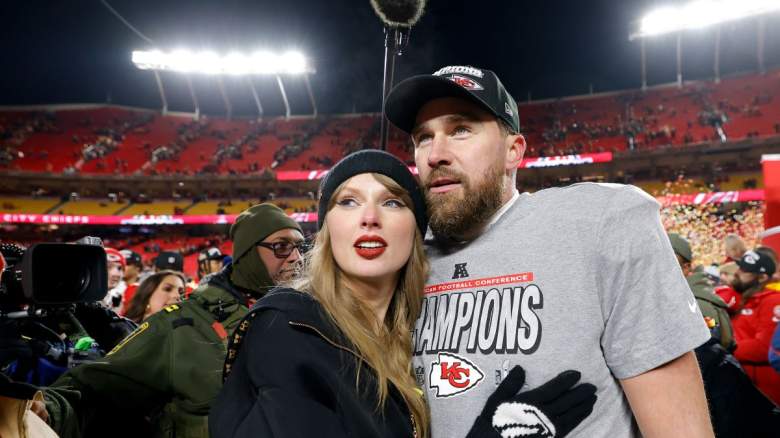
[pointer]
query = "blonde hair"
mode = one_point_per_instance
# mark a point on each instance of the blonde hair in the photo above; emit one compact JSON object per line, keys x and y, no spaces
{"x":734,"y":244}
{"x":386,"y":348}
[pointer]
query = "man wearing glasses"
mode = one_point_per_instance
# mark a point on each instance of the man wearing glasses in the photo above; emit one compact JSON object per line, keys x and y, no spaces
{"x":161,"y":380}
{"x":281,"y":254}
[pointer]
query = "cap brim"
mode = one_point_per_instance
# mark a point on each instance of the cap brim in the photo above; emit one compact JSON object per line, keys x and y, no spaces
{"x":405,"y":99}
{"x":745,"y":267}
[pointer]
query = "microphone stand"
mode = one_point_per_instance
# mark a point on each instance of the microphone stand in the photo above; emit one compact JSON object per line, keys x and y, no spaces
{"x":396,"y":39}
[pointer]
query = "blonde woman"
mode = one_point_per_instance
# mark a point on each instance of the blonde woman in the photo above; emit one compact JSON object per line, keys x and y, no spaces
{"x":331,"y":356}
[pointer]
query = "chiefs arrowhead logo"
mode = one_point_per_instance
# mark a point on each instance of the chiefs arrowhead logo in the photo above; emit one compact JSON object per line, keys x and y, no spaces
{"x":467,"y":83}
{"x":452,"y":375}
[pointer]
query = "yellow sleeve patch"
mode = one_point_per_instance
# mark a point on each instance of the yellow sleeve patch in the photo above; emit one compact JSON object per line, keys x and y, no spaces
{"x":171,"y":308}
{"x":129,"y":338}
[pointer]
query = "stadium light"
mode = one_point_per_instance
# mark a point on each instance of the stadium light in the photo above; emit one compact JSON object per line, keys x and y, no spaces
{"x":262,"y":62}
{"x":696,"y":15}
{"x":699,"y":14}
{"x":234,"y":63}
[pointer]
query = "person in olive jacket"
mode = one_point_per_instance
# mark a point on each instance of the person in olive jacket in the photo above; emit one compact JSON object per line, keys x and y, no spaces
{"x":163,"y":378}
{"x":713,"y":308}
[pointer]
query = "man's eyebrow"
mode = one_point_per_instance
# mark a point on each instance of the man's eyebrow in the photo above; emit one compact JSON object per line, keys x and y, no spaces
{"x":465,"y":116}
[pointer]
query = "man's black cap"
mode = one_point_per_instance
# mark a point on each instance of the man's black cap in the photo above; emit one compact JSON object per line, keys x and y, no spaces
{"x":212,"y":253}
{"x":132,"y":257}
{"x":477,"y":85}
{"x":757,"y":263}
{"x":169,"y":260}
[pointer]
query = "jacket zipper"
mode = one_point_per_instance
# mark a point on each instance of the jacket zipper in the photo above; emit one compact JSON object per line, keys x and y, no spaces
{"x":300,"y":324}
{"x":339,"y":346}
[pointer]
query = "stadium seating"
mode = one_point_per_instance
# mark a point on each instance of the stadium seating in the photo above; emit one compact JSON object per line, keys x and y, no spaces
{"x":664,"y":116}
{"x":90,"y":207}
{"x":741,"y":181}
{"x":227,"y":207}
{"x":20,"y":204}
{"x":157,"y":207}
{"x":104,"y":207}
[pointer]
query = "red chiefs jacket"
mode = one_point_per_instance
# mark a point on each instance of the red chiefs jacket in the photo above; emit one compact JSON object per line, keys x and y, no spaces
{"x":753,"y":329}
{"x":729,"y":296}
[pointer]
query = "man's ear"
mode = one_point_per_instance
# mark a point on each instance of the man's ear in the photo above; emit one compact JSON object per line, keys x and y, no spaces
{"x":515,"y":150}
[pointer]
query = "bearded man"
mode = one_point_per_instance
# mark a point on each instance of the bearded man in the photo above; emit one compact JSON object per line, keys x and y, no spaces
{"x":756,"y":320}
{"x":578,"y":278}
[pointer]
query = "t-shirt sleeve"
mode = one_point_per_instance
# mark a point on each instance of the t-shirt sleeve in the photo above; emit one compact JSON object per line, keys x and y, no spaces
{"x":650,"y":314}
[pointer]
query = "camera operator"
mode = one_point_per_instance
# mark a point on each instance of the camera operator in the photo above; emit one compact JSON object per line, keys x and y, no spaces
{"x":165,"y":375}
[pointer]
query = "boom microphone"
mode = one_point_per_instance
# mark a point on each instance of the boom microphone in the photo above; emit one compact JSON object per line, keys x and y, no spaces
{"x":399,"y":13}
{"x":398,"y":16}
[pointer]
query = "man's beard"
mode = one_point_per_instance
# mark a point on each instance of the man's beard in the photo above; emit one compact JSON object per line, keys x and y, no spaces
{"x":451,"y":217}
{"x":742,"y":287}
{"x":287,"y":274}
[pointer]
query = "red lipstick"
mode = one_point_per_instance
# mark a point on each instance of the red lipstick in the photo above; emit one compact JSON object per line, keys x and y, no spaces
{"x":370,"y":247}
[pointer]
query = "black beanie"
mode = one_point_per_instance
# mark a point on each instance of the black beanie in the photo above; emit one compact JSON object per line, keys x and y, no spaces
{"x":372,"y":161}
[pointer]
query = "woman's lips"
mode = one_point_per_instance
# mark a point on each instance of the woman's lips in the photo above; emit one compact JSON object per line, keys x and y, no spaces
{"x":370,"y":247}
{"x":370,"y":253}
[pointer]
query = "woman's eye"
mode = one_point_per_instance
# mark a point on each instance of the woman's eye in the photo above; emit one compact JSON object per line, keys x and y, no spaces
{"x":346,"y":202}
{"x":395,"y":203}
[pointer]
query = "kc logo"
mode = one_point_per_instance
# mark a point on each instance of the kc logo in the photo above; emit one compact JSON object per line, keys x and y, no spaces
{"x":467,"y":83}
{"x":452,"y":375}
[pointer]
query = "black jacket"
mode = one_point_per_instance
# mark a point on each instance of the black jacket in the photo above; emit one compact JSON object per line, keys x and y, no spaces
{"x":737,"y":408}
{"x":291,"y":373}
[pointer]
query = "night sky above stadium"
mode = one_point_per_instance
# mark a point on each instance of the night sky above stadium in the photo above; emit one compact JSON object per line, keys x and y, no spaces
{"x":70,"y":52}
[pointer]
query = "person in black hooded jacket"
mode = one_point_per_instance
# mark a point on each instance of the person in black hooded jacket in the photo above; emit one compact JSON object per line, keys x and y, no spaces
{"x":330,"y":356}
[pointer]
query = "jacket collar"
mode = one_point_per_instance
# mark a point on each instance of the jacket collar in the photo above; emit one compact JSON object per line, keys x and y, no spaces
{"x":303,"y":309}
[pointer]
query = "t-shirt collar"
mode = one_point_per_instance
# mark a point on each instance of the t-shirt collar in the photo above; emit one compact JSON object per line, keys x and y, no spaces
{"x":504,"y":208}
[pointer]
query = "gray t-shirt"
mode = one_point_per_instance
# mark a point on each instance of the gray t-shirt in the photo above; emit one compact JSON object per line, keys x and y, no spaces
{"x":581,"y":278}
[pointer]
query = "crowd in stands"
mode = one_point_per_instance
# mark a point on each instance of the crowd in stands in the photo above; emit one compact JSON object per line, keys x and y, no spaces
{"x":14,"y":131}
{"x":699,"y":112}
{"x":299,"y":142}
{"x":185,"y":134}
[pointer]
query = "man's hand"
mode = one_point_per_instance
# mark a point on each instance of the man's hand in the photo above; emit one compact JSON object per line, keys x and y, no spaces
{"x":551,"y":410}
{"x":39,"y":408}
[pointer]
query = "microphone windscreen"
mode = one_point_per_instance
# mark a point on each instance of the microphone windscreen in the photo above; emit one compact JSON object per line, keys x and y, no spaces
{"x":399,"y":13}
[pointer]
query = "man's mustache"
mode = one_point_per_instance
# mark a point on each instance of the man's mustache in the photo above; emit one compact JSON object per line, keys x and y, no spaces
{"x":445,"y":172}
